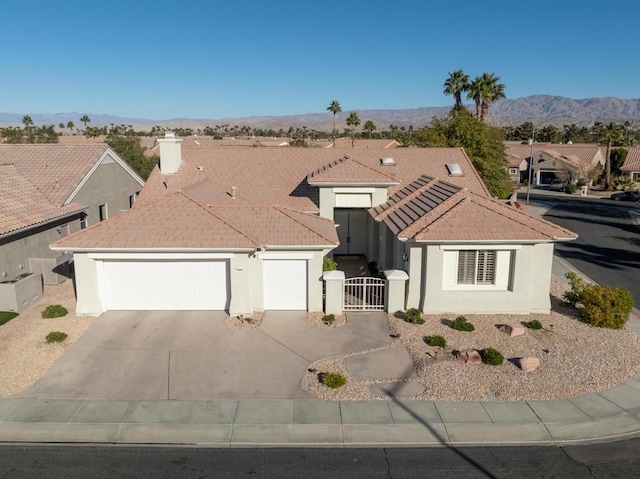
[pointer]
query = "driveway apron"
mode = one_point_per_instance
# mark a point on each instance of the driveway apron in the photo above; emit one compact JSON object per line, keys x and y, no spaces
{"x":191,"y":355}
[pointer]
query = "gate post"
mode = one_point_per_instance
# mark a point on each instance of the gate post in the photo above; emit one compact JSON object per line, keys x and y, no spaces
{"x":334,"y":291}
{"x":395,"y":290}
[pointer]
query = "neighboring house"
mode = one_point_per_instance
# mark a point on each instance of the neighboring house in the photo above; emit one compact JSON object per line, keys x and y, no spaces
{"x":48,"y":192}
{"x":246,"y":229}
{"x":571,"y":162}
{"x":517,"y":168}
{"x":631,"y":166}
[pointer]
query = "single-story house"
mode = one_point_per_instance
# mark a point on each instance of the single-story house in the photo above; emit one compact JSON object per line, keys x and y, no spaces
{"x":246,"y":229}
{"x":567,"y":161}
{"x":48,"y":192}
{"x":631,"y":166}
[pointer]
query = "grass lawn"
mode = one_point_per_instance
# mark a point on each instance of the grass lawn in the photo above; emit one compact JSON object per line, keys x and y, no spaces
{"x":6,"y":316}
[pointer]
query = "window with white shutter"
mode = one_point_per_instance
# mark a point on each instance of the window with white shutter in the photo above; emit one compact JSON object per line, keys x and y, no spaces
{"x":476,"y":267}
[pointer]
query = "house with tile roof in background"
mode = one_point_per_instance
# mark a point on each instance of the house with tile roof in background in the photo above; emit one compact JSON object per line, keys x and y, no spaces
{"x":631,"y":166}
{"x":246,"y":229}
{"x":48,"y":192}
{"x":566,"y":161}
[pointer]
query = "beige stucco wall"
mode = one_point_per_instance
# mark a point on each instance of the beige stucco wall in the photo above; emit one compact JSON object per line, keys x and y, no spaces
{"x":88,"y":301}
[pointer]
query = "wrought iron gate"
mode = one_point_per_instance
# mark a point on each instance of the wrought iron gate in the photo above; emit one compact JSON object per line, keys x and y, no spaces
{"x":364,"y":294}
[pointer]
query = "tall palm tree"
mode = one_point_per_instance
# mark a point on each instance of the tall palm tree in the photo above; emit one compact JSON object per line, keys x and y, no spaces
{"x":70,"y":125}
{"x":491,"y":90}
{"x":85,"y":119}
{"x":369,"y":126}
{"x":612,"y":133}
{"x":27,"y":121}
{"x":475,"y":93}
{"x":352,"y":122}
{"x":334,"y":108}
{"x":455,"y":85}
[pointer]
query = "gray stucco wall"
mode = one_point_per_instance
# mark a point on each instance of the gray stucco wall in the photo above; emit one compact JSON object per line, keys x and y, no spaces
{"x":109,"y":184}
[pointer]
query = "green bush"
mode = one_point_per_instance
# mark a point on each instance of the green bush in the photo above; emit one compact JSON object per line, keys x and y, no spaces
{"x":535,"y":324}
{"x":435,"y":340}
{"x":461,"y":324}
{"x":328,"y":318}
{"x":332,"y":380}
{"x":54,"y":311}
{"x":570,"y":188}
{"x":413,"y":316}
{"x":328,"y":264}
{"x":56,"y":337}
{"x":6,"y":316}
{"x":491,"y":356}
{"x":606,"y":306}
{"x":576,"y":294}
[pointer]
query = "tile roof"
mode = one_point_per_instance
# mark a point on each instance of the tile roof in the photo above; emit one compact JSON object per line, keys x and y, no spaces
{"x":23,"y":206}
{"x":431,"y":210}
{"x":270,"y":176}
{"x":350,"y":171}
{"x":587,"y":152}
{"x":179,"y":221}
{"x":55,"y":170}
{"x":632,"y":161}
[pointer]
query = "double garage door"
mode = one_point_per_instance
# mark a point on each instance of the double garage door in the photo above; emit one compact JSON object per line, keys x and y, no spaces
{"x":165,"y":285}
{"x":197,"y":285}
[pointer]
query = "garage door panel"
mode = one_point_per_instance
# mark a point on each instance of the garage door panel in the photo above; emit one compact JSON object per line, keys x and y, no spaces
{"x":285,"y":284}
{"x":165,"y":285}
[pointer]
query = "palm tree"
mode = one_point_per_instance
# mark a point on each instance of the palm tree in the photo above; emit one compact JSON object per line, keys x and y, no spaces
{"x":612,"y":133}
{"x":457,"y":83}
{"x":85,"y":119}
{"x":369,"y":126}
{"x":492,"y":90}
{"x":70,"y":125}
{"x":61,"y":126}
{"x":27,"y":121}
{"x":334,"y":108}
{"x":352,"y":122}
{"x":475,"y":93}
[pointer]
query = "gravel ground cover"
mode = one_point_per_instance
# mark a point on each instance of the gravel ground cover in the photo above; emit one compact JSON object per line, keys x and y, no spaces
{"x":575,"y":358}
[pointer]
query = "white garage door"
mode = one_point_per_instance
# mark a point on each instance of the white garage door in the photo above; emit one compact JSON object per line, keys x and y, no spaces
{"x":285,"y":284}
{"x":165,"y":285}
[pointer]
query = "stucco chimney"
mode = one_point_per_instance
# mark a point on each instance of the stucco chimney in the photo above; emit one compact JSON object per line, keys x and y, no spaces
{"x":170,"y":153}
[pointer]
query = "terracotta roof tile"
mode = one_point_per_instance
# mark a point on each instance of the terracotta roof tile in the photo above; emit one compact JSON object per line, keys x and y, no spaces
{"x":351,"y":171}
{"x":632,"y":161}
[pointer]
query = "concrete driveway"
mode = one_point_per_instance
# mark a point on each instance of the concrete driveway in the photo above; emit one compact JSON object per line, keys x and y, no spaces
{"x":192,"y":355}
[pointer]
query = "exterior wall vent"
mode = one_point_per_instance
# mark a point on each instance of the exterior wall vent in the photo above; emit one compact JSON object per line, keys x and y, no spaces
{"x":454,"y":169}
{"x":387,"y":161}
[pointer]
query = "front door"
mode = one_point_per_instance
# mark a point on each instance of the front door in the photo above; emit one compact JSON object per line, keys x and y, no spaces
{"x":352,"y":231}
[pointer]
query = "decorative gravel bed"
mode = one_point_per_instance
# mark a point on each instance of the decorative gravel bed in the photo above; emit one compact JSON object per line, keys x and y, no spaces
{"x":244,"y":323}
{"x":575,"y":358}
{"x":25,"y":355}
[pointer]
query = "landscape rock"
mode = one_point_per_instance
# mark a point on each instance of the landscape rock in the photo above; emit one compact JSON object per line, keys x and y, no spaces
{"x":512,"y":330}
{"x":469,"y":357}
{"x":528,"y":364}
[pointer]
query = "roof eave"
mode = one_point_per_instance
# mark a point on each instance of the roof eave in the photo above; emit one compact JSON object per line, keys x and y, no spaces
{"x":369,"y":184}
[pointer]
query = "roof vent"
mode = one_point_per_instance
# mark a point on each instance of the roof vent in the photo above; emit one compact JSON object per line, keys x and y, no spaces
{"x":387,"y":161}
{"x":454,"y":169}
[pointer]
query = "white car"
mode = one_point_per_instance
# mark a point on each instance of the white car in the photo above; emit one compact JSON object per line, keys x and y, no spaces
{"x":556,"y":185}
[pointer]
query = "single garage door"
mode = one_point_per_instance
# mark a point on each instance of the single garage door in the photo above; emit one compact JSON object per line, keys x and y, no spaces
{"x":285,"y":284}
{"x":165,"y":285}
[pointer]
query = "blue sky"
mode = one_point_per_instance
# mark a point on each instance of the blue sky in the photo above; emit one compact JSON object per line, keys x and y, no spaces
{"x":214,"y":59}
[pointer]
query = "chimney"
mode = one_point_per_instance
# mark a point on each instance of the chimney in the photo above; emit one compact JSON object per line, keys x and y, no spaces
{"x":170,"y":153}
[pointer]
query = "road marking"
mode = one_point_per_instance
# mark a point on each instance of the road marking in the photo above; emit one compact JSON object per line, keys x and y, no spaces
{"x":635,"y":217}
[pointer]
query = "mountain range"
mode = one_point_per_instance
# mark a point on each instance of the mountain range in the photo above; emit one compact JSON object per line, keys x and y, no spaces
{"x":539,"y":109}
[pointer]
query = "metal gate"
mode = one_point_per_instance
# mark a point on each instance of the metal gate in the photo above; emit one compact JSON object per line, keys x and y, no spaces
{"x":364,"y":294}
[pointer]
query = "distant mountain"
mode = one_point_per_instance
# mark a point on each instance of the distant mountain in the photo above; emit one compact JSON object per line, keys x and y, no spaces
{"x":540,"y":109}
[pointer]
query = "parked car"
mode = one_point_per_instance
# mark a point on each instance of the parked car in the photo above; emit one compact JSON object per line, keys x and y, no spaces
{"x":629,"y":195}
{"x":556,"y":185}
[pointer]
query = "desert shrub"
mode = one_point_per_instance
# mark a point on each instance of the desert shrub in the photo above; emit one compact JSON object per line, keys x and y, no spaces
{"x":606,"y":306}
{"x":56,"y":337}
{"x":461,"y":324}
{"x":435,"y":340}
{"x":491,"y":356}
{"x":54,"y":311}
{"x":328,"y":318}
{"x":570,"y":188}
{"x":576,"y":293}
{"x":535,"y":324}
{"x":332,"y":380}
{"x":624,"y":183}
{"x":413,"y":316}
{"x":328,"y":264}
{"x":6,"y":316}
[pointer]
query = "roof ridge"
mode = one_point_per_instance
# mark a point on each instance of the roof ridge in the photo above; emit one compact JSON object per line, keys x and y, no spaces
{"x":395,"y":180}
{"x":474,"y":170}
{"x":418,"y":191}
{"x":209,"y":209}
{"x":284,"y":210}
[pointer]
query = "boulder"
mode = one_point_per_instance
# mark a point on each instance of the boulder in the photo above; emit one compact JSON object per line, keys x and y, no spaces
{"x":528,"y":364}
{"x":469,"y":357}
{"x":512,"y":330}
